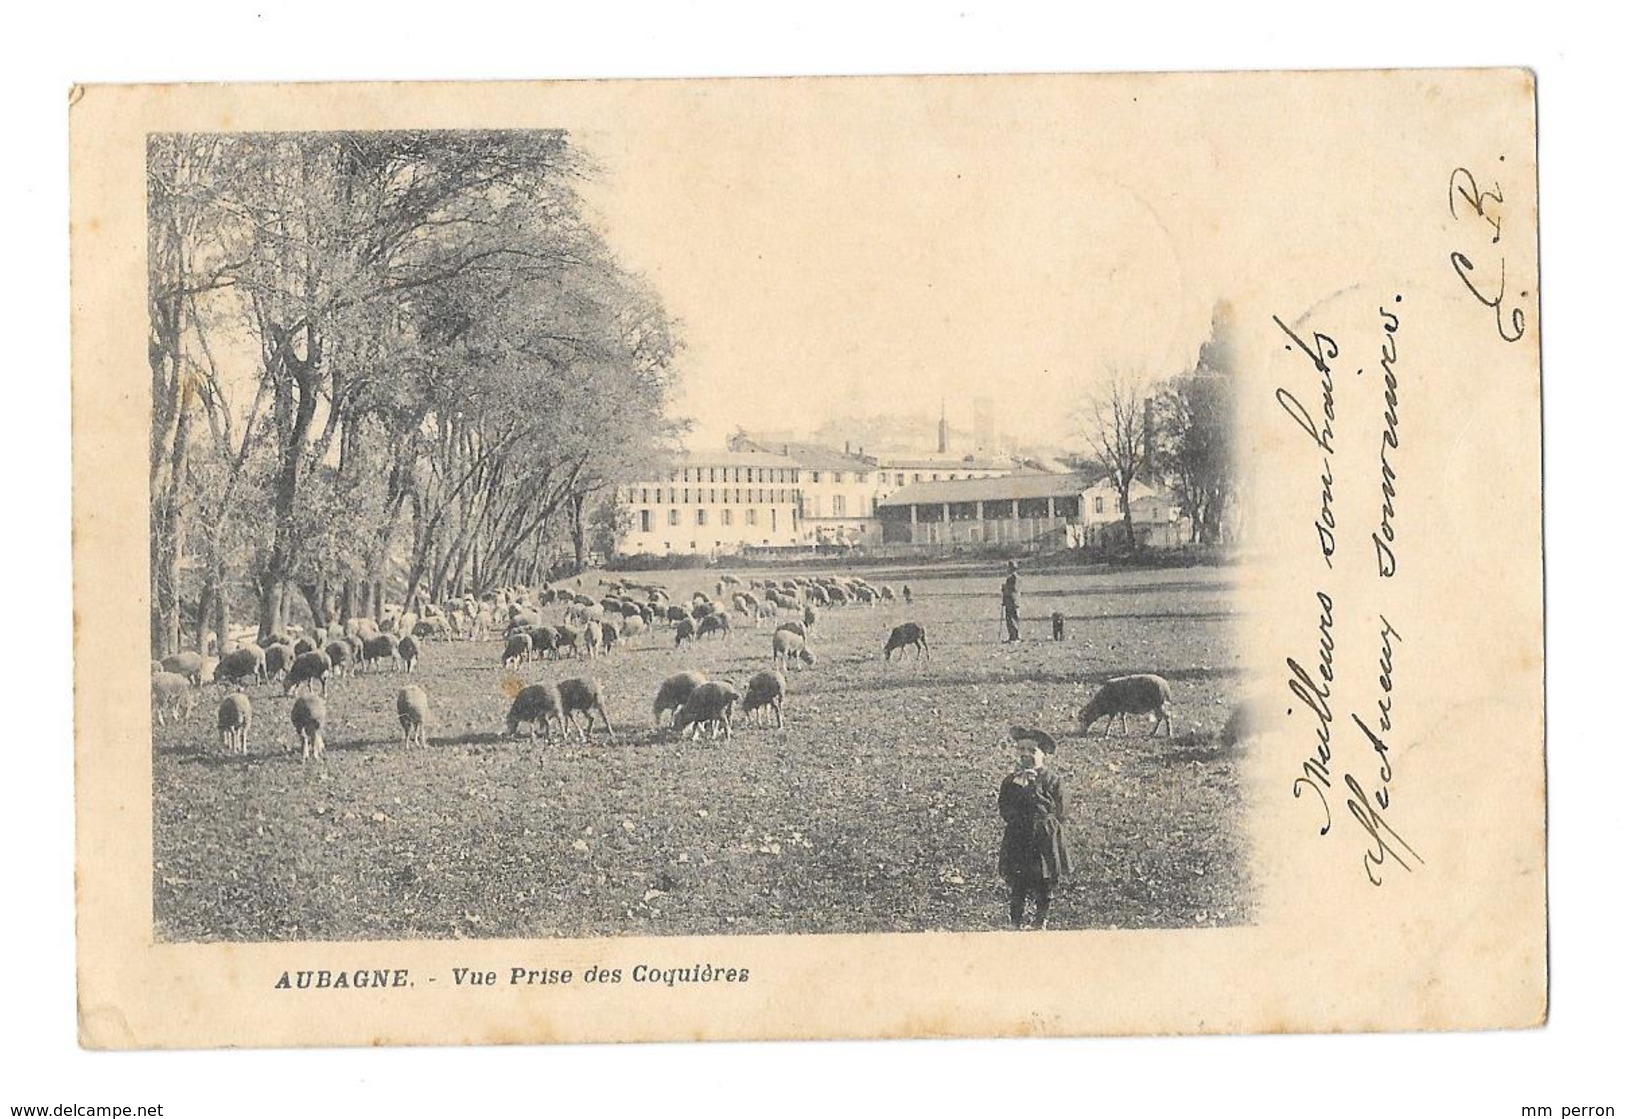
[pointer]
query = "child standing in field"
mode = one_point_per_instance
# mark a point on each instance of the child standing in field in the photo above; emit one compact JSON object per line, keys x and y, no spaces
{"x":1033,"y":857}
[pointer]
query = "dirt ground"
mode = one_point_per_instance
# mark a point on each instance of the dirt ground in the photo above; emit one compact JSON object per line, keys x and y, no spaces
{"x":873,"y":809}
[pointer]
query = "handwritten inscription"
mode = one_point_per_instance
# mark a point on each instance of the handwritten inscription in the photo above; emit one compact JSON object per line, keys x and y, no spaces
{"x":1383,"y":538}
{"x":1311,"y":688}
{"x":1480,"y":209}
{"x":1321,"y":352}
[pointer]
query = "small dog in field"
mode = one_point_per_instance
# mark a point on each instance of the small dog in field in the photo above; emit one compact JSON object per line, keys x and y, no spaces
{"x":1057,"y":623}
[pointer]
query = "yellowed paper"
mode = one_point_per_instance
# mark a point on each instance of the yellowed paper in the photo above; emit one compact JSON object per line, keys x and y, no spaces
{"x":905,"y":244}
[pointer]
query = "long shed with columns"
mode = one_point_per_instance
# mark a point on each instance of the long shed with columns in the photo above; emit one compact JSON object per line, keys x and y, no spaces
{"x":1056,"y":509}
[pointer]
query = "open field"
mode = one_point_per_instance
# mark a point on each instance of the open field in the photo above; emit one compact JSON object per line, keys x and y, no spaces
{"x":874,"y":809}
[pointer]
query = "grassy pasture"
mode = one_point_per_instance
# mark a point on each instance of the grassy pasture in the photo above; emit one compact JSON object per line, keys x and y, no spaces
{"x":874,"y":809}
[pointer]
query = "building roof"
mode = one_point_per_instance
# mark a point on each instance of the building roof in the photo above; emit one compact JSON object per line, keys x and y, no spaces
{"x":943,"y":462}
{"x":731,"y":458}
{"x":989,"y":489}
{"x":812,"y":456}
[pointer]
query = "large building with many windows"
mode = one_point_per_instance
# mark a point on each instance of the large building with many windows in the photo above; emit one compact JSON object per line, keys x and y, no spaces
{"x":714,"y":504}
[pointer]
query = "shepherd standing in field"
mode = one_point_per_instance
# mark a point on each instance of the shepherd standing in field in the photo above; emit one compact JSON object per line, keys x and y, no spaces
{"x":1011,"y":595}
{"x":1033,"y":857}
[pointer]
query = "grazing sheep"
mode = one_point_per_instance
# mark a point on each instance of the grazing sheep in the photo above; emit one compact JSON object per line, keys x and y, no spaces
{"x":711,"y":703}
{"x":565,"y":637}
{"x":233,"y":718}
{"x":765,"y":689}
{"x":592,"y":638}
{"x":412,"y":705}
{"x":634,"y":626}
{"x":809,"y":616}
{"x":908,"y":595}
{"x":868,"y":596}
{"x":172,"y":694}
{"x":302,"y":646}
{"x":817,"y":595}
{"x":685,"y":630}
{"x":309,"y":713}
{"x":376,"y":650}
{"x":676,"y":615}
{"x":792,"y":626}
{"x":909,"y":634}
{"x":1123,"y":696}
{"x":189,"y":665}
{"x":538,"y":705}
{"x":517,"y":651}
{"x":276,"y":638}
{"x":702,"y":610}
{"x":240,"y":664}
{"x":886,"y":593}
{"x":766,"y":610}
{"x":612,"y":636}
{"x":838,"y":596}
{"x":543,"y":640}
{"x":715,"y":623}
{"x":584,"y":696}
{"x":674,"y":692}
{"x":277,"y":660}
{"x":339,"y":655}
{"x":789,"y":646}
{"x":409,"y":652}
{"x":305,"y":669}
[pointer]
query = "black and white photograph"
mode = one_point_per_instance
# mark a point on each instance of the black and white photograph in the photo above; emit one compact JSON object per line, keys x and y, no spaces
{"x":502,"y":587}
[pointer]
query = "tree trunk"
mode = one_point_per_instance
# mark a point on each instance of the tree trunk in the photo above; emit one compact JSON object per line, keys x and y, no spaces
{"x":578,"y":530}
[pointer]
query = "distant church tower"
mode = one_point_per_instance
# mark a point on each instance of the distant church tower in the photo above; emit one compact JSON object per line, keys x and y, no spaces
{"x":942,"y":429}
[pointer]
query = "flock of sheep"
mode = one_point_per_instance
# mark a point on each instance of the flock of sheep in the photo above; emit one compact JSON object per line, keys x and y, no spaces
{"x":585,"y":628}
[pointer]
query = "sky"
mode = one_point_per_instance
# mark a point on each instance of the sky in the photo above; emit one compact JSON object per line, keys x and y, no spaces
{"x":830,"y":247}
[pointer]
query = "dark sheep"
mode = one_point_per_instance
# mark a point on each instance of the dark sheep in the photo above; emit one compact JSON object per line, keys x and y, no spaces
{"x":273,"y":639}
{"x":302,"y":646}
{"x":409,"y":652}
{"x":306,"y":669}
{"x":612,"y":636}
{"x":765,"y":689}
{"x":711,"y":703}
{"x":241,"y":664}
{"x":907,"y":635}
{"x":538,"y":705}
{"x":579,"y":695}
{"x":715,"y":623}
{"x":412,"y":707}
{"x":309,"y":713}
{"x":339,"y":655}
{"x":517,"y":651}
{"x":376,"y":650}
{"x":703,"y":610}
{"x":676,"y":614}
{"x":278,"y":659}
{"x":542,"y":641}
{"x":1123,"y":696}
{"x":233,"y":719}
{"x":674,"y":692}
{"x":685,"y":630}
{"x":792,"y":626}
{"x":566,"y":637}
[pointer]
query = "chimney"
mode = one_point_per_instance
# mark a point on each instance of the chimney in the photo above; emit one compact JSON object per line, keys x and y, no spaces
{"x":849,"y":447}
{"x":942,"y":429}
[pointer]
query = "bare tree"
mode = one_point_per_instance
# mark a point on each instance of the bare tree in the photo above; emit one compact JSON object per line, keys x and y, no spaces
{"x":1114,"y":424}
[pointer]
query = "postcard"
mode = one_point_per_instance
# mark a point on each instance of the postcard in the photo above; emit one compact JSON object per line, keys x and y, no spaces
{"x":807,"y":558}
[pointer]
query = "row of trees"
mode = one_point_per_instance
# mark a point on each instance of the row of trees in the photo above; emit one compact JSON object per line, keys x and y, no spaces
{"x":1179,"y":432}
{"x":372,"y":350}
